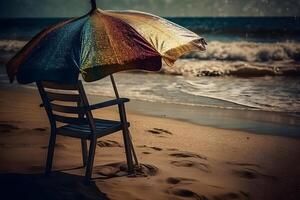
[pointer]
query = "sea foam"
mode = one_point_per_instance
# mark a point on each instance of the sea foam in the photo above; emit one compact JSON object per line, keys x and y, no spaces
{"x":249,"y":52}
{"x":11,"y":45}
{"x":222,"y":59}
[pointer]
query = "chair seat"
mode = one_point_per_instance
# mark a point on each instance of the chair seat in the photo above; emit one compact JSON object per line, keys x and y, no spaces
{"x":103,"y":127}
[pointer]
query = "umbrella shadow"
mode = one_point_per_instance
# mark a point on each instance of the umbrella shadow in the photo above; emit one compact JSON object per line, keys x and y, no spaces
{"x":58,"y":186}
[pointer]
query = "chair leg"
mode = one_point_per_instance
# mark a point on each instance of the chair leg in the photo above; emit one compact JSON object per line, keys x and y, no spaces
{"x":89,"y":167}
{"x":132,"y":149}
{"x":50,"y":154}
{"x":128,"y":151}
{"x":84,"y":151}
{"x":126,"y":138}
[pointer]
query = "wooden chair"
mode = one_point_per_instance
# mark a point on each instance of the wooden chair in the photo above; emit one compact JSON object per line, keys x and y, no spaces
{"x":78,"y":121}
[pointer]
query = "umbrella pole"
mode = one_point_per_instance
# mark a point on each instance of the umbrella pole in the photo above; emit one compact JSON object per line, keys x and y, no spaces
{"x":93,"y":5}
{"x":114,"y":86}
{"x":117,"y":96}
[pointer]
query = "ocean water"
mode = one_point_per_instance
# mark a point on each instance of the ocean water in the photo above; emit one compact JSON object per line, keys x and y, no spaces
{"x":253,"y":62}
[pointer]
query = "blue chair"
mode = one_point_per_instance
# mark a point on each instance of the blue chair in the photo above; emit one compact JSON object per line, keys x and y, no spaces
{"x":77,"y":121}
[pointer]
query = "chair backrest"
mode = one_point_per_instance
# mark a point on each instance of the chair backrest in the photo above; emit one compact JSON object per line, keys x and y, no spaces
{"x":67,"y":104}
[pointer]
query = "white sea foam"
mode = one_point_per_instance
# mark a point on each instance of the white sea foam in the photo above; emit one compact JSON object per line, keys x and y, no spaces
{"x":193,"y":67}
{"x":11,"y":45}
{"x":268,"y":93}
{"x":249,"y":51}
{"x":240,"y":59}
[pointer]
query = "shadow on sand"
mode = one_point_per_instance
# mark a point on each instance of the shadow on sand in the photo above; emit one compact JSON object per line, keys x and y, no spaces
{"x":58,"y":185}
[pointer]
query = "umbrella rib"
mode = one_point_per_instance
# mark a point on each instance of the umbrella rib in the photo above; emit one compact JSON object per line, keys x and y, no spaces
{"x":151,"y":43}
{"x":149,"y":24}
{"x":111,"y":42}
{"x":84,"y":57}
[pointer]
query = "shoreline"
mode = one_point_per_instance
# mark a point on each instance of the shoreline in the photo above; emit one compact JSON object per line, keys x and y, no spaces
{"x":237,"y":118}
{"x":253,"y":121}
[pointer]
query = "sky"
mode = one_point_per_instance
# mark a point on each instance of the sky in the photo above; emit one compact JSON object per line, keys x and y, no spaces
{"x":70,"y":8}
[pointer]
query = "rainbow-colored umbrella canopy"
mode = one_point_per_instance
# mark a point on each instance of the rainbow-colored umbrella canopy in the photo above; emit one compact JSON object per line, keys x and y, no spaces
{"x":101,"y":43}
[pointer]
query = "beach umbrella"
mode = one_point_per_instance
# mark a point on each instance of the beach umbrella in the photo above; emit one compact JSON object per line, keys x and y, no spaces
{"x":101,"y":43}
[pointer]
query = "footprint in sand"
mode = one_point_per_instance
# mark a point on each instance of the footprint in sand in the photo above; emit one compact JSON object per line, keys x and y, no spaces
{"x":188,"y":163}
{"x":30,"y":145}
{"x":19,"y":145}
{"x":36,"y":168}
{"x":187,"y":194}
{"x":243,"y":164}
{"x":231,"y":195}
{"x":187,"y":155}
{"x":120,"y":169}
{"x":39,"y":129}
{"x":249,"y":173}
{"x":151,"y":147}
{"x":173,"y":149}
{"x":108,"y":143}
{"x":57,"y":145}
{"x":6,"y":128}
{"x":158,"y":131}
{"x":177,"y":180}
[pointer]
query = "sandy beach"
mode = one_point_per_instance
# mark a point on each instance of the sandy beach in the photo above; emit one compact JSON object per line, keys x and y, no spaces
{"x":180,"y":160}
{"x":214,"y":95}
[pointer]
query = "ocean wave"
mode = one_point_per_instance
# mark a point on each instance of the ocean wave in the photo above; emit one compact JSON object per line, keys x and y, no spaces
{"x":249,"y":52}
{"x":280,"y":94}
{"x":11,"y":45}
{"x":223,"y":51}
{"x":193,"y":67}
{"x":221,"y":59}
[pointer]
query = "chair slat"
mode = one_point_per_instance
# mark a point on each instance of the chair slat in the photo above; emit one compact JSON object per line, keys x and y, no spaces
{"x":70,"y":120}
{"x":67,"y":109}
{"x":63,"y":97}
{"x":52,"y":85}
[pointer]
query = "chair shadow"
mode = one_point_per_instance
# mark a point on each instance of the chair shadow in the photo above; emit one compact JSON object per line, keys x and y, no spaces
{"x":58,"y":186}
